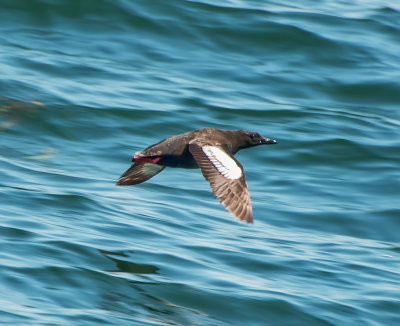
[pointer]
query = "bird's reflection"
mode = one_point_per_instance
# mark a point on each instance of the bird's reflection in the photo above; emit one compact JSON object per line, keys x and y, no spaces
{"x":12,"y":111}
{"x":125,"y":266}
{"x":148,"y":297}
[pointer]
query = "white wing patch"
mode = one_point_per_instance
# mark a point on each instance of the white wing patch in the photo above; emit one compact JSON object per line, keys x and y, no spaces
{"x":222,"y":162}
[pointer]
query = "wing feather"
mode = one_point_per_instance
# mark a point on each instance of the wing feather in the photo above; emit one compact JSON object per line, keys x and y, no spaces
{"x":139,"y":172}
{"x":225,"y":183}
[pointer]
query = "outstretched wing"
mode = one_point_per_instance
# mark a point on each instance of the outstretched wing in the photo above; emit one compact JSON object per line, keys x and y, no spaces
{"x":226,"y":177}
{"x":138,"y":173}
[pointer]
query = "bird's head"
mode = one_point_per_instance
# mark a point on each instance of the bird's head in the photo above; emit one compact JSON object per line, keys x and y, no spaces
{"x":251,"y":139}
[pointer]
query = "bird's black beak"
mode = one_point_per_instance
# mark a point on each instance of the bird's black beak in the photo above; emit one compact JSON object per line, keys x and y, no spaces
{"x":268,"y":141}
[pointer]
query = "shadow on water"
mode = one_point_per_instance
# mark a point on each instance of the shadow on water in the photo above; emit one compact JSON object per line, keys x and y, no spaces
{"x":144,"y":298}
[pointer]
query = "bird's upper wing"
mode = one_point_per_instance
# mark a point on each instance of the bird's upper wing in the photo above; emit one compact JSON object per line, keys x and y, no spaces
{"x":226,"y":177}
{"x":138,"y":173}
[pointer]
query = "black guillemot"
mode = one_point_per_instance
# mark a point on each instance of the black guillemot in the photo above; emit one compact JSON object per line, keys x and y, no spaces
{"x":212,"y":151}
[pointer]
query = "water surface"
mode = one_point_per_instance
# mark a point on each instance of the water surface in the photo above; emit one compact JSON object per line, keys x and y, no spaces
{"x":86,"y":84}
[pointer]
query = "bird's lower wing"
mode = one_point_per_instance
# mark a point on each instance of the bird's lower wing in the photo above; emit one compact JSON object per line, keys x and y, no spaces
{"x":226,"y":177}
{"x":138,"y":173}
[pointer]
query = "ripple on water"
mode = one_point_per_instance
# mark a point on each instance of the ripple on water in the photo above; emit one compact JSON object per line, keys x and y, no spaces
{"x":85,"y":87}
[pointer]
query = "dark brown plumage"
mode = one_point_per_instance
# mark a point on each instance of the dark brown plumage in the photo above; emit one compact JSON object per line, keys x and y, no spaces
{"x":212,"y":151}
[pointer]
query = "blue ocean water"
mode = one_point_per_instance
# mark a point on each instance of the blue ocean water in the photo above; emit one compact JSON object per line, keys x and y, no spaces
{"x":86,"y":84}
